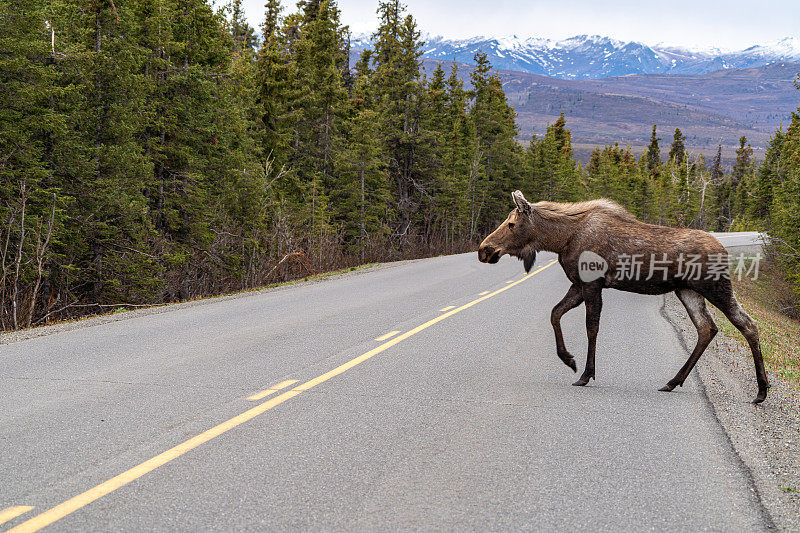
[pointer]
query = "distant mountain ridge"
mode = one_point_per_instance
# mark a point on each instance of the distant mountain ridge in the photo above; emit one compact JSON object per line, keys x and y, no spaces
{"x":710,"y":109}
{"x":594,"y":56}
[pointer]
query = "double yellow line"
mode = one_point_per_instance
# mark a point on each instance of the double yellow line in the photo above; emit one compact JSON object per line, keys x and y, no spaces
{"x":73,"y":504}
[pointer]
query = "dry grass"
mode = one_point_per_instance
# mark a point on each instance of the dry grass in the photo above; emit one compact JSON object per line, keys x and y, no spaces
{"x":4,"y":335}
{"x":772,"y":304}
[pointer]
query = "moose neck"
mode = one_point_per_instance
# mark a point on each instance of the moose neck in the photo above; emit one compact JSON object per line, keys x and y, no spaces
{"x":553,"y":230}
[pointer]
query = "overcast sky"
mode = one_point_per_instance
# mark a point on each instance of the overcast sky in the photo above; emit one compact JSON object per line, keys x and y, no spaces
{"x":726,"y":24}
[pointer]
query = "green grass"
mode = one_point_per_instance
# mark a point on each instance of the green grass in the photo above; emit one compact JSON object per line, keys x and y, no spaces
{"x":770,"y":301}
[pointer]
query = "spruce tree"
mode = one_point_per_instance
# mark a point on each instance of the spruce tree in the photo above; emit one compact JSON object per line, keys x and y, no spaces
{"x":496,"y":130}
{"x":398,"y":92}
{"x":245,"y":41}
{"x":770,"y":173}
{"x":554,"y":174}
{"x":677,"y":150}
{"x":30,"y":126}
{"x":786,"y":202}
{"x":654,"y":154}
{"x":111,"y":198}
{"x":363,"y":195}
{"x":323,"y":99}
{"x":716,"y":167}
{"x":742,"y":178}
{"x":460,"y":159}
{"x":434,"y":128}
{"x":276,"y":91}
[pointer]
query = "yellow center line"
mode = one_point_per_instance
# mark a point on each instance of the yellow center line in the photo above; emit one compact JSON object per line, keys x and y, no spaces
{"x":81,"y":500}
{"x":13,"y":512}
{"x":510,"y":281}
{"x":449,"y":307}
{"x":387,"y":336}
{"x":375,"y":351}
{"x":482,"y":293}
{"x":272,"y":390}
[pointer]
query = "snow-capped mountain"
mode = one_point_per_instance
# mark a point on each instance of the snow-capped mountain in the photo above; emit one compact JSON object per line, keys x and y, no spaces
{"x":594,"y":56}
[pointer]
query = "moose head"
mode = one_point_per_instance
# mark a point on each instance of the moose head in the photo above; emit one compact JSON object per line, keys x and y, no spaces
{"x":515,"y":236}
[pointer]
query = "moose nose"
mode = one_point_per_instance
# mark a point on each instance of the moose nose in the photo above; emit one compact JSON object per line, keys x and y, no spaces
{"x":485,"y":252}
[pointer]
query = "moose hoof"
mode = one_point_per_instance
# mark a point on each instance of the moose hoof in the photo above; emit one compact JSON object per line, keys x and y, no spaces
{"x":583,"y":381}
{"x":760,"y":398}
{"x":569,"y":361}
{"x":666,"y":388}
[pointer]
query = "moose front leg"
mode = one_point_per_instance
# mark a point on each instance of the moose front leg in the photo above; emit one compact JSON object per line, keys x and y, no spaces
{"x":571,"y":300}
{"x":592,"y":295}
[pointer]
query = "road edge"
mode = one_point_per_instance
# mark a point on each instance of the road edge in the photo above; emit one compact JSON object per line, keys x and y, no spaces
{"x":96,"y":320}
{"x":764,"y":438}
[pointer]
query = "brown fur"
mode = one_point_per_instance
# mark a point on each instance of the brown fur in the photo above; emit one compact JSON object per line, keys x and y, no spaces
{"x":608,"y":230}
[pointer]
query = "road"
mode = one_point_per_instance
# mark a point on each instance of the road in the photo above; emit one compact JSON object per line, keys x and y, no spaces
{"x":461,"y":418}
{"x":748,"y":243}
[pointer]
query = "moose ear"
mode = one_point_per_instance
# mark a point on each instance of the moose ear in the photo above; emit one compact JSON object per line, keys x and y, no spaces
{"x":522,"y":203}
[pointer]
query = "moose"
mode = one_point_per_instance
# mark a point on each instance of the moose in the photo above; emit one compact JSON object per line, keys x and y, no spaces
{"x":600,"y":246}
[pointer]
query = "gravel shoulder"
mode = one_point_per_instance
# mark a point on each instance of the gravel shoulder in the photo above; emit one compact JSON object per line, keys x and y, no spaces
{"x":765,"y":437}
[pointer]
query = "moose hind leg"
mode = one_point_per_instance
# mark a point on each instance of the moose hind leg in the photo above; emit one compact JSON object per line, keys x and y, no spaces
{"x":748,"y":328}
{"x":571,"y":300}
{"x":695,"y":305}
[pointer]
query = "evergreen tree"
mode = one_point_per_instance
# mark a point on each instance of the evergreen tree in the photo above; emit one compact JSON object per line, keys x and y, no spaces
{"x":554,"y":174}
{"x":682,"y":173}
{"x":30,"y":127}
{"x":461,"y":159}
{"x":245,"y":41}
{"x":677,"y":150}
{"x":785,"y":209}
{"x":744,"y":162}
{"x":323,"y":100}
{"x":111,"y":201}
{"x":198,"y":138}
{"x":716,"y":167}
{"x":276,"y":93}
{"x":742,"y":177}
{"x":496,"y":130}
{"x":654,"y":155}
{"x":364,"y":193}
{"x":769,"y":175}
{"x":398,"y":92}
{"x":435,"y":125}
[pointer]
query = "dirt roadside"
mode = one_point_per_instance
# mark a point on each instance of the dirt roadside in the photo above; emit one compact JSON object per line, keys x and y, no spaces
{"x":765,"y":437}
{"x":94,"y":320}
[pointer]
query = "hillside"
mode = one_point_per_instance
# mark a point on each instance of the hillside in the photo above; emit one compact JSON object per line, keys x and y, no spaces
{"x":709,"y":108}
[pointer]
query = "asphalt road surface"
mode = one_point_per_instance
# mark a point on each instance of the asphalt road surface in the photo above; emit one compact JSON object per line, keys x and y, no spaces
{"x":428,"y":396}
{"x":748,"y":242}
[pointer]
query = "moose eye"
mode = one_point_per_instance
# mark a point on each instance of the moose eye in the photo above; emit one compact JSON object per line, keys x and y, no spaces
{"x":511,"y":225}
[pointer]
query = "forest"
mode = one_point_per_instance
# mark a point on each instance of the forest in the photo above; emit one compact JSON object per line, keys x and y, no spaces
{"x":155,"y":151}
